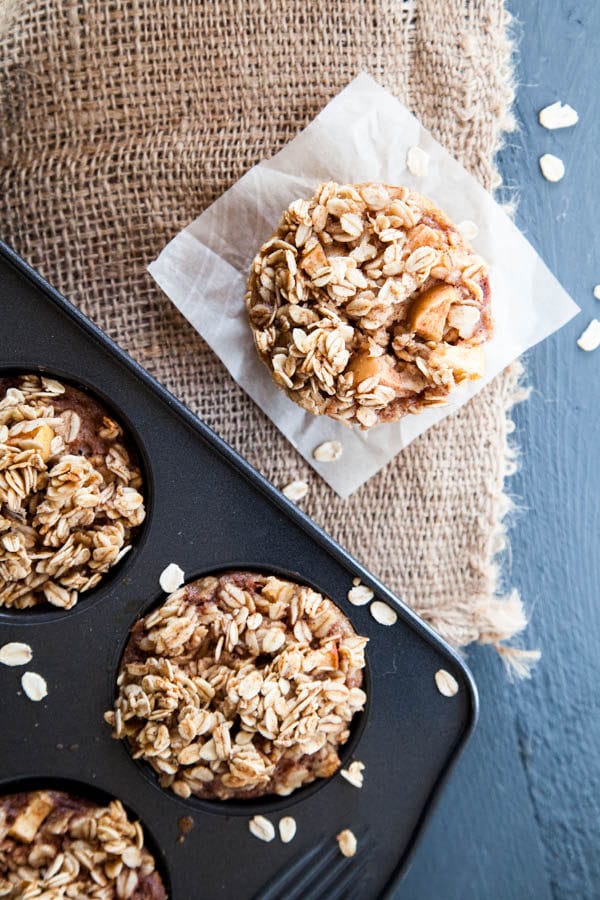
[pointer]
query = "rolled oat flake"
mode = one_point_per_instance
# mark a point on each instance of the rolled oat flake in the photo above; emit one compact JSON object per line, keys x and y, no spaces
{"x":262,"y":828}
{"x":446,"y":683}
{"x":171,"y":578}
{"x":383,"y":613}
{"x":346,"y":842}
{"x":553,"y":168}
{"x":328,"y":452}
{"x":295,"y":490}
{"x":15,"y":654}
{"x":360,"y":595}
{"x":34,"y":685}
{"x":287,"y":829}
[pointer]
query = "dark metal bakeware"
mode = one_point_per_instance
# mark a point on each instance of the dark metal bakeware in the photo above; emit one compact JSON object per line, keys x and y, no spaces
{"x":209,"y":510}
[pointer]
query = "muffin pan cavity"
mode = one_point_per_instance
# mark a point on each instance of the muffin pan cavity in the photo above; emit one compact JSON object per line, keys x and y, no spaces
{"x":208,"y":510}
{"x":73,"y":492}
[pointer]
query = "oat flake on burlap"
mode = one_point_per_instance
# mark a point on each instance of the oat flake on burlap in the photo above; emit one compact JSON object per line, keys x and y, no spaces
{"x":123,"y":120}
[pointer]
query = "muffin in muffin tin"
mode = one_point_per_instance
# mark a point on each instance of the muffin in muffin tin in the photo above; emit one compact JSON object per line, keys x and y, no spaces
{"x":71,"y":493}
{"x":55,"y":845}
{"x":240,"y":686}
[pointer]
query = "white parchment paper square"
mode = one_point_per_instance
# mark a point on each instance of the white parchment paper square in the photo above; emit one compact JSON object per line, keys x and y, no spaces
{"x":362,"y":135}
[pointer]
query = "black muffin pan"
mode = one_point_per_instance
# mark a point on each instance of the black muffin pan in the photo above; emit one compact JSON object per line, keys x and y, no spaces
{"x":209,"y":511}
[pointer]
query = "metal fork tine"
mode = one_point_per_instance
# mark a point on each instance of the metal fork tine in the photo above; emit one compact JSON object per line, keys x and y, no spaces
{"x":296,"y":879}
{"x":346,"y":881}
{"x":321,"y":873}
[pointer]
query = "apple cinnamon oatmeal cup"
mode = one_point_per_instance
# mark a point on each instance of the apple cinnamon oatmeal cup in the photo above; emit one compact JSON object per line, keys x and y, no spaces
{"x":55,"y":845}
{"x":368,"y":304}
{"x":239,"y":686}
{"x":70,"y":492}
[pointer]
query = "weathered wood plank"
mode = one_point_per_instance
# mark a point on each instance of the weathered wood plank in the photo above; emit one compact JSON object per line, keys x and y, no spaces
{"x":522,"y":816}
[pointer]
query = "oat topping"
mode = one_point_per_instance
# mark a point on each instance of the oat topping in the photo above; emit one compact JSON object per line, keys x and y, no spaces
{"x":240,"y":685}
{"x":262,"y":828}
{"x":171,"y":578}
{"x":330,"y":451}
{"x":558,"y":116}
{"x":417,"y":162}
{"x":69,"y":493}
{"x":446,"y":683}
{"x":553,"y":168}
{"x":287,"y":829}
{"x":15,"y":654}
{"x":354,"y":774}
{"x":295,"y":491}
{"x":54,"y":846}
{"x":360,"y":595}
{"x":590,"y":339}
{"x":34,"y":685}
{"x":346,"y":842}
{"x":383,"y":613}
{"x":350,"y":303}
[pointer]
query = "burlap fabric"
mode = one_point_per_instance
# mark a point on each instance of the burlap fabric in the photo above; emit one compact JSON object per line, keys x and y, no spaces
{"x":123,"y":119}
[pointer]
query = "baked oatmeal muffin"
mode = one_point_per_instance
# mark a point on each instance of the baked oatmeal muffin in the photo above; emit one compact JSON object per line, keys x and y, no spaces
{"x":240,"y":685}
{"x":70,"y":492}
{"x":367,"y":304}
{"x":55,"y":845}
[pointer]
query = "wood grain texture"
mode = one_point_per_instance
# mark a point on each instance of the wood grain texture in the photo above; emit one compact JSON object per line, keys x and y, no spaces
{"x":521,"y":818}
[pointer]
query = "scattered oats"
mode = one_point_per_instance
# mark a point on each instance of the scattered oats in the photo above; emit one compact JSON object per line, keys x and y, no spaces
{"x":15,"y":654}
{"x":328,"y":452}
{"x":446,"y":683}
{"x":553,"y":168}
{"x":354,"y":773}
{"x":558,"y":116}
{"x":590,"y":339}
{"x":417,"y":162}
{"x":597,"y":292}
{"x":355,"y":580}
{"x":360,"y":595}
{"x":346,"y":842}
{"x":383,"y":613}
{"x":295,"y":490}
{"x":34,"y":686}
{"x":287,"y":829}
{"x":468,"y":229}
{"x":171,"y":578}
{"x":262,"y":828}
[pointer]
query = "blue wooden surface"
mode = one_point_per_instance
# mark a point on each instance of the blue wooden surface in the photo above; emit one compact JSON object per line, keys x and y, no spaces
{"x":521,"y":818}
